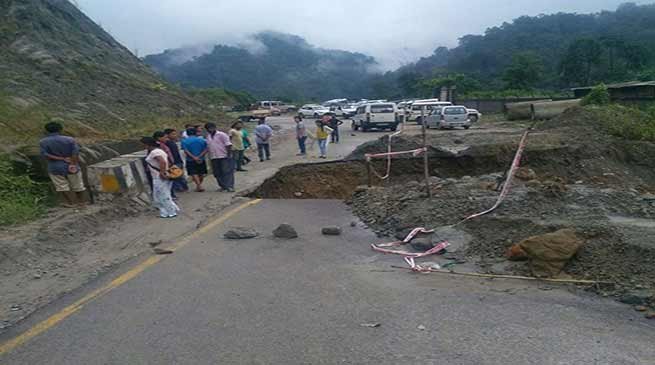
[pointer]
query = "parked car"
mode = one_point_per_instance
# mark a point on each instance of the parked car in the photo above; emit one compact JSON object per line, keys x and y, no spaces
{"x":345,"y":112}
{"x":312,"y":110}
{"x":257,"y":114}
{"x":474,"y":115}
{"x":350,"y":111}
{"x":449,"y":117}
{"x":414,"y":113}
{"x":376,"y":116}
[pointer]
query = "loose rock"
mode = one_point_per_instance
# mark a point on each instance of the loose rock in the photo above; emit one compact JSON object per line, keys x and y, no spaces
{"x":641,"y":308}
{"x":240,"y":233}
{"x":526,"y":174}
{"x":331,"y":231}
{"x":549,"y":253}
{"x":285,"y":230}
{"x":637,"y":297}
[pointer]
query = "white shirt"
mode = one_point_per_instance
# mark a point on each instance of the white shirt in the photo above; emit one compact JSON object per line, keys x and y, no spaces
{"x":151,"y":159}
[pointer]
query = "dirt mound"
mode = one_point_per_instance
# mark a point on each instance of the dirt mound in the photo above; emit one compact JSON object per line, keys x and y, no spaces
{"x":314,"y":181}
{"x":400,"y":143}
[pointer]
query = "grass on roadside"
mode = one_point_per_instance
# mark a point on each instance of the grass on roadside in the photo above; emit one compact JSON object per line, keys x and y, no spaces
{"x":21,"y":198}
{"x":627,"y":122}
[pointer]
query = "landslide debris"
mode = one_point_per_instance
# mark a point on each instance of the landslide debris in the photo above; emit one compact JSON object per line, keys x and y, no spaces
{"x":575,"y":177}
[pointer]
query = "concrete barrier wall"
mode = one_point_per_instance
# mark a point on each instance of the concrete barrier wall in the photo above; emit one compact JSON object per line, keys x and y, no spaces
{"x":122,"y":176}
{"x":495,"y":106}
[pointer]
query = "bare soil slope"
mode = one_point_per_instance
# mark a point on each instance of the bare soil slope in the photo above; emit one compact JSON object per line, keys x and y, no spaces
{"x":55,"y":61}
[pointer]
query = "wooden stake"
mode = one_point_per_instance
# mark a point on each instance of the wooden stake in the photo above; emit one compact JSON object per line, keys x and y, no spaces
{"x":425,"y":154}
{"x":369,"y":178}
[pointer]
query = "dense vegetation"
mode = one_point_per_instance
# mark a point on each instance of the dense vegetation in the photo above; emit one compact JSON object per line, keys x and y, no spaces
{"x":530,"y":56}
{"x":282,"y":67}
{"x":627,"y":122}
{"x":546,"y":52}
{"x":21,"y":198}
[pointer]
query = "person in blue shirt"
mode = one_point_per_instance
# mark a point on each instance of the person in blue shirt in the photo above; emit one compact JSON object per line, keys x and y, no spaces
{"x":195,"y":149}
{"x":62,"y":154}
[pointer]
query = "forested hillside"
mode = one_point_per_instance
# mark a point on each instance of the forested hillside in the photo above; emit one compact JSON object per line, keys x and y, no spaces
{"x":547,"y":52}
{"x":282,"y":67}
{"x":55,"y":62}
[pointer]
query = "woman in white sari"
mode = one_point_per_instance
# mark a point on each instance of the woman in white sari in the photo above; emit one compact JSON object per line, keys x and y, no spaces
{"x":157,"y":161}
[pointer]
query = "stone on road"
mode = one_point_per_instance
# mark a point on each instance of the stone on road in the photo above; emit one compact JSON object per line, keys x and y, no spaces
{"x":285,"y":230}
{"x":240,"y":233}
{"x":307,"y":301}
{"x":331,"y":231}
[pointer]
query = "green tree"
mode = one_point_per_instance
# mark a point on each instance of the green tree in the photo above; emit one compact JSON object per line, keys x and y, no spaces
{"x":462,"y":83}
{"x":525,"y":71}
{"x":580,"y":59}
{"x":599,"y":95}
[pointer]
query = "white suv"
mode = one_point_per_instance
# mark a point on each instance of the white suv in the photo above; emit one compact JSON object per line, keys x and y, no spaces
{"x":376,"y":116}
{"x":449,"y":117}
{"x":428,"y":105}
{"x":312,"y":110}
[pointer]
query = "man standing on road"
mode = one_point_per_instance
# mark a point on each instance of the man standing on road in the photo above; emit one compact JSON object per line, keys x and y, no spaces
{"x":195,"y":149}
{"x":179,"y":185}
{"x":236,"y":136}
{"x":301,"y":135}
{"x":220,"y":154}
{"x":62,"y":154}
{"x":333,"y":123}
{"x":263,"y":134}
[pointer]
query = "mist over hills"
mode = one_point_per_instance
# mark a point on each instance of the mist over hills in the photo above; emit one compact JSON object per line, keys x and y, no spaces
{"x":552,"y":47}
{"x":271,"y":65}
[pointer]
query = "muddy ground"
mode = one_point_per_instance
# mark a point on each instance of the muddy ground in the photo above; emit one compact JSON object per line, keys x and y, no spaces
{"x":573,"y":176}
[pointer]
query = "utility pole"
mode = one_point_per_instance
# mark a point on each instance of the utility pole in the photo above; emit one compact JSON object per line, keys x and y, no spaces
{"x":425,"y":153}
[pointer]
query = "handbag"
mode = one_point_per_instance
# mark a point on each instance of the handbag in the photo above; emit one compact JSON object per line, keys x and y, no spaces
{"x":173,"y":172}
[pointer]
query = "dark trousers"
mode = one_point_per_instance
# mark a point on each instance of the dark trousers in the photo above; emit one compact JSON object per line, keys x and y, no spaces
{"x":223,"y":170}
{"x":180,"y":184}
{"x":264,"y":151}
{"x":238,"y":158}
{"x":301,"y":144}
{"x":335,"y":135}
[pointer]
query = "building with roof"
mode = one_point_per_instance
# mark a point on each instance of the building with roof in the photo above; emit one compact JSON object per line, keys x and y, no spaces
{"x":626,"y":91}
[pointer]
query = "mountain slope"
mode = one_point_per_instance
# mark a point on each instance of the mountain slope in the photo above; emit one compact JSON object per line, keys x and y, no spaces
{"x":281,"y":66}
{"x":56,"y":62}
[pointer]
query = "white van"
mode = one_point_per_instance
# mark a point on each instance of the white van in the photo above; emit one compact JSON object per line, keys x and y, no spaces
{"x":449,"y":117}
{"x":376,"y":116}
{"x":414,"y":114}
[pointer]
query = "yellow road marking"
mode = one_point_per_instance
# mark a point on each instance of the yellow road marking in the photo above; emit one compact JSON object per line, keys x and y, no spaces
{"x":131,"y":274}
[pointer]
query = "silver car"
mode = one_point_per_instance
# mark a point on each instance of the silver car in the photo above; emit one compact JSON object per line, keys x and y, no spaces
{"x":449,"y":117}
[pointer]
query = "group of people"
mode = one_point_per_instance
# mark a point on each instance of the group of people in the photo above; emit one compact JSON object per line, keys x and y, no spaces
{"x":170,"y":153}
{"x":201,"y":146}
{"x":326,"y":127}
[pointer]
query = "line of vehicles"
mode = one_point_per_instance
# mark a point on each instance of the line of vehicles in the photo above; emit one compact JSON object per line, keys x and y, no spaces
{"x":367,"y":115}
{"x":381,"y":114}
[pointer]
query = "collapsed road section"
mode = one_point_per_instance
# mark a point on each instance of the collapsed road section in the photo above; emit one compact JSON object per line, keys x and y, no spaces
{"x":583,"y":198}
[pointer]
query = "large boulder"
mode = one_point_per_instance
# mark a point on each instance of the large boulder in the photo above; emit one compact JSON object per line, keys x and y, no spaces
{"x":549,"y":253}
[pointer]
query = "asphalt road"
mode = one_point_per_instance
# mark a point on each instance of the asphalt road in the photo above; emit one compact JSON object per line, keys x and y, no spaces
{"x":303,"y":301}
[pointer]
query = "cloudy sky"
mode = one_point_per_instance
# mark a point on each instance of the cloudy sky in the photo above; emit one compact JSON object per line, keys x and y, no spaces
{"x":394,"y":31}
